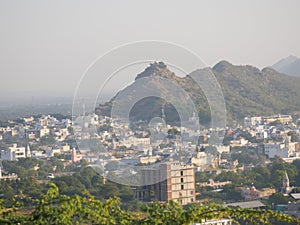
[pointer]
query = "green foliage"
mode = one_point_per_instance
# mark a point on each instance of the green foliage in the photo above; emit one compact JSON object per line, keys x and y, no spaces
{"x":22,"y":167}
{"x":55,"y":208}
{"x":47,"y":140}
{"x":60,"y":116}
{"x":275,"y":123}
{"x":212,"y":150}
{"x":73,"y":203}
{"x":278,"y":198}
{"x":172,"y":133}
{"x":247,"y":158}
{"x":294,"y":136}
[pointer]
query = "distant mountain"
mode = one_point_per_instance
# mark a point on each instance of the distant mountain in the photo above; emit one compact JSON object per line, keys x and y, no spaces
{"x":247,"y":91}
{"x":250,"y":91}
{"x":289,"y":66}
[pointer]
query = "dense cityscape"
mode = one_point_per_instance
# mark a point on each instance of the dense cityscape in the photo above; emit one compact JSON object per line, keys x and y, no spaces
{"x":257,"y":165}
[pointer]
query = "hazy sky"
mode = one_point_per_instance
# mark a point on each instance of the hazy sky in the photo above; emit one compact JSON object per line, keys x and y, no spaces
{"x":45,"y":46}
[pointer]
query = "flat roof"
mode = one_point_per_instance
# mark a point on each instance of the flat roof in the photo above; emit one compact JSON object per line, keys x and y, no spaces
{"x":295,"y":195}
{"x":246,"y":205}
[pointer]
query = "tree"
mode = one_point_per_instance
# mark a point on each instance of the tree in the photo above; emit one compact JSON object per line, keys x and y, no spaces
{"x":212,"y":150}
{"x":294,"y":136}
{"x":47,"y":140}
{"x":278,"y":198}
{"x":173,"y":132}
{"x":55,"y":208}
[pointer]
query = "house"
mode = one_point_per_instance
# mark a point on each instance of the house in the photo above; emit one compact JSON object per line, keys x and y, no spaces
{"x":214,"y":184}
{"x":44,"y":131}
{"x":293,"y":209}
{"x":252,"y":193}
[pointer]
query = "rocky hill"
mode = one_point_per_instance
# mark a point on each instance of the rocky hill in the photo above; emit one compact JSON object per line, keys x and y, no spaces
{"x":247,"y":91}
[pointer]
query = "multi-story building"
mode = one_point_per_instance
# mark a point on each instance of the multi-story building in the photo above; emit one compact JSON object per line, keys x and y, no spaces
{"x":44,"y":131}
{"x":284,"y":149}
{"x":169,"y":181}
{"x":13,"y":153}
{"x":136,"y":142}
{"x":280,"y":118}
{"x":252,"y":121}
{"x":272,"y":149}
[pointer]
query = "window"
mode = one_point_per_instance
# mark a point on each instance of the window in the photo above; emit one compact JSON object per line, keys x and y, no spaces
{"x":181,"y":173}
{"x":181,"y":180}
{"x":192,"y":199}
{"x":182,"y":187}
{"x":192,"y":192}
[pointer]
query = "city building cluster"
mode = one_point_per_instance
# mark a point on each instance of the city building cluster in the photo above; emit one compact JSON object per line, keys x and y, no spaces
{"x":114,"y":146}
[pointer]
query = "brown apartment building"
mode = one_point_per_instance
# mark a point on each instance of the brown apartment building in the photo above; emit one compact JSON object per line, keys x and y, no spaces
{"x":168,"y":181}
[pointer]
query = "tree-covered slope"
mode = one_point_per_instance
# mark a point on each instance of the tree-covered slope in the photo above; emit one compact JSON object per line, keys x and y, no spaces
{"x":250,"y":91}
{"x":247,"y":91}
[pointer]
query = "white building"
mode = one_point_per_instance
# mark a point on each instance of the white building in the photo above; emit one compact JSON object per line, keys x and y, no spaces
{"x":263,"y":134}
{"x":223,"y":149}
{"x":28,"y":119}
{"x":38,"y":154}
{"x":200,"y":159}
{"x":136,"y":142}
{"x":284,"y":150}
{"x":44,"y":131}
{"x":53,"y":151}
{"x":272,"y":149}
{"x":215,"y":222}
{"x":280,"y":118}
{"x":13,"y":153}
{"x":12,"y":176}
{"x":252,"y":121}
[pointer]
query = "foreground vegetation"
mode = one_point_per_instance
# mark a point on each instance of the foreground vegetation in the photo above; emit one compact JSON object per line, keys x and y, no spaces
{"x":74,"y":178}
{"x":55,"y":208}
{"x":79,"y":196}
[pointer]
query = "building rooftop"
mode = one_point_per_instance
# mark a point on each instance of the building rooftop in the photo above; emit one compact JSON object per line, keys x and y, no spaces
{"x":296,"y":196}
{"x":246,"y":205}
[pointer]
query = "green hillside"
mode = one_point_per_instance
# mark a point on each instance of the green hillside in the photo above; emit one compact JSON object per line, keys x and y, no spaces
{"x":247,"y":91}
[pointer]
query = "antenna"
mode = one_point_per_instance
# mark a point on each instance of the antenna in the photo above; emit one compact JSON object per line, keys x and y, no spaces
{"x":83,"y":107}
{"x":163,"y":116}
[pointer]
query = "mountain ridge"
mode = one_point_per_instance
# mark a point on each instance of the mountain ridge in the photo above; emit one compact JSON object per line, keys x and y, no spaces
{"x":289,"y":65}
{"x":247,"y":91}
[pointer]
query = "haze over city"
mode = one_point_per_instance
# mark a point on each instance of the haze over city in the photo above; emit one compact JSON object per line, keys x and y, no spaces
{"x":46,"y":46}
